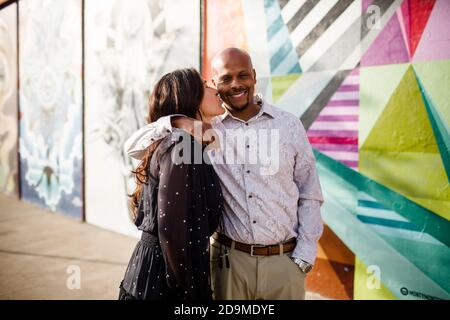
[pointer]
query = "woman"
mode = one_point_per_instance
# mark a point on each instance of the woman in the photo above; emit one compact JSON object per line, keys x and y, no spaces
{"x":176,"y":205}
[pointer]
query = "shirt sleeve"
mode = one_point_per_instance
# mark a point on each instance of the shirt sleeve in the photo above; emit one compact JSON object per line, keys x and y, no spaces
{"x":140,"y":140}
{"x":310,"y":199}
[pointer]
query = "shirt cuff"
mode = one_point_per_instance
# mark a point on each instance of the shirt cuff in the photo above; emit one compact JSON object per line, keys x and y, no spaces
{"x":305,"y":250}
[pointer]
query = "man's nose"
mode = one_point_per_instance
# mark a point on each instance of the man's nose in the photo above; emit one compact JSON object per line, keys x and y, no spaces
{"x":235,"y":84}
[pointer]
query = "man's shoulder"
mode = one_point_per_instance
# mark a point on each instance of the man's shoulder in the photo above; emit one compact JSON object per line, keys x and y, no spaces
{"x":287,"y":119}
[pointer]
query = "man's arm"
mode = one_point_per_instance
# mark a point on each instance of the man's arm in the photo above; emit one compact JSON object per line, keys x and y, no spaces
{"x":307,"y":180}
{"x":146,"y":136}
{"x":152,"y":132}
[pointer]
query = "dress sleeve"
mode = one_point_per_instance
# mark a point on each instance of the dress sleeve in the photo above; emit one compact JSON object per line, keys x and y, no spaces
{"x":174,"y":224}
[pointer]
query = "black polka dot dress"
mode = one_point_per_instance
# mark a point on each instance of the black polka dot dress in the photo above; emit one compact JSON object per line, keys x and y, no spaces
{"x":179,"y":210}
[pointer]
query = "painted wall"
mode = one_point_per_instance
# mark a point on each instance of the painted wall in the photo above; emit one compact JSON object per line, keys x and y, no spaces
{"x":51,"y":104}
{"x":369,"y":80}
{"x":129,"y":45}
{"x":8,"y":101}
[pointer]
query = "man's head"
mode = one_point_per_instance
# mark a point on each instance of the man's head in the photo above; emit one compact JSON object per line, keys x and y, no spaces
{"x":234,"y":78}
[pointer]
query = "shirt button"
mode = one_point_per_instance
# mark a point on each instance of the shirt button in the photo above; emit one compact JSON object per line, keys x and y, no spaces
{"x":248,"y":146}
{"x":248,"y":171}
{"x":250,"y":196}
{"x":246,"y":124}
{"x":254,"y":221}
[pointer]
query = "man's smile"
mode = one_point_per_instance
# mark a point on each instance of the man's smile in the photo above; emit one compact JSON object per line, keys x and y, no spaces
{"x":238,"y":95}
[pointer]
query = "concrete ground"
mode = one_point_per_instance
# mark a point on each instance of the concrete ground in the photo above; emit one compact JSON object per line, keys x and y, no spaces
{"x":45,"y":255}
{"x":41,"y":253}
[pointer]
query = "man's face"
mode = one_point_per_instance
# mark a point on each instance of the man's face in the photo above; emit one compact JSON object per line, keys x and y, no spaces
{"x":235,"y":81}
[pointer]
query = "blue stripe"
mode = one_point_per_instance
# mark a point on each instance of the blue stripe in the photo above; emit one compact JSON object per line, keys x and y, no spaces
{"x":275,"y":27}
{"x":372,"y":204}
{"x":388,"y":223}
{"x":277,"y":41}
{"x":272,"y":13}
{"x":269,"y":3}
{"x":281,"y":54}
{"x":289,"y":63}
{"x":295,"y":69}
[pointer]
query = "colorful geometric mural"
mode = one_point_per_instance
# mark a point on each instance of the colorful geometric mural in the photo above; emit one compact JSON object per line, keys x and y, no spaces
{"x":369,"y":80}
{"x":129,"y":45}
{"x":8,"y":100}
{"x":51,"y":104}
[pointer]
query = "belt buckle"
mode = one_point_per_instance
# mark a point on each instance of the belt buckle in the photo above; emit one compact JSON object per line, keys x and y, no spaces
{"x":255,"y":246}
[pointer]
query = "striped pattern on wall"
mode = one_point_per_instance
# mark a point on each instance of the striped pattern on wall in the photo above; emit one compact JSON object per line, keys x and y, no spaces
{"x":335,"y":131}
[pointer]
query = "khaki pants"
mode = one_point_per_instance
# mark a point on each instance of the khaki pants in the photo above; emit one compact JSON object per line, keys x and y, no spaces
{"x":274,"y":277}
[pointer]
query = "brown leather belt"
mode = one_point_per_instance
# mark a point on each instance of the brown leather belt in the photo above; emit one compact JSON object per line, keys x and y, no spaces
{"x":256,"y":249}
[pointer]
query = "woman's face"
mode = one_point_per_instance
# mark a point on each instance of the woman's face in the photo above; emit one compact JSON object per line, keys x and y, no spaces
{"x":211,"y":105}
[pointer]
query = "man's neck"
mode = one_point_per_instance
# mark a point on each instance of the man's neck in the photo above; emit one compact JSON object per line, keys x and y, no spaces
{"x":249,"y":112}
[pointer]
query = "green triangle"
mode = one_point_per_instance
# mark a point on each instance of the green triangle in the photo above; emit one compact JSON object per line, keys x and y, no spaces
{"x":401,"y":150}
{"x":404,"y":125}
{"x":440,"y":129}
{"x":376,"y":87}
{"x":281,"y":83}
{"x":434,"y":76}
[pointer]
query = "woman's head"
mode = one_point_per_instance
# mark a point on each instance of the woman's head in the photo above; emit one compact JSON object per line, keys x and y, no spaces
{"x":183,"y":91}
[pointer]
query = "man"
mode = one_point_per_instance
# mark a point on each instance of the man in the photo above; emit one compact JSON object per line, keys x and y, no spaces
{"x":268,"y":239}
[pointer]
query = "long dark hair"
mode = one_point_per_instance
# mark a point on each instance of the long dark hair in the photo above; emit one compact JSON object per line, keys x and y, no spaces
{"x":177,"y":92}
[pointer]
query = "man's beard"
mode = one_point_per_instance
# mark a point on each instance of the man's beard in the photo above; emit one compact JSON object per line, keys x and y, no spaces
{"x":231,"y":107}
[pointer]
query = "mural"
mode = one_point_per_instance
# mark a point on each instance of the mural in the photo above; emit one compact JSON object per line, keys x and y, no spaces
{"x":367,"y":79}
{"x":129,"y":45}
{"x":8,"y":100}
{"x":378,"y":120}
{"x":51,"y":104}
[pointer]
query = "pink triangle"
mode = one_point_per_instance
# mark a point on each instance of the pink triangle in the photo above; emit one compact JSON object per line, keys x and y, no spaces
{"x":405,"y":25}
{"x":388,"y":48}
{"x":406,"y":18}
{"x":435,"y":40}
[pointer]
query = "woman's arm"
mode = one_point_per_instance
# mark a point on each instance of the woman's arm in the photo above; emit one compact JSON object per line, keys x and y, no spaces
{"x":174,"y":224}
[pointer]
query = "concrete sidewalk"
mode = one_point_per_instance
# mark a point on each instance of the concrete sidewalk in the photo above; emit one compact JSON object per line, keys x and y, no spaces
{"x":39,"y":251}
{"x":38,"y":248}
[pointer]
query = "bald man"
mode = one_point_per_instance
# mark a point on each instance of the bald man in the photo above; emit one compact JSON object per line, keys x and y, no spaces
{"x":267,"y":242}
